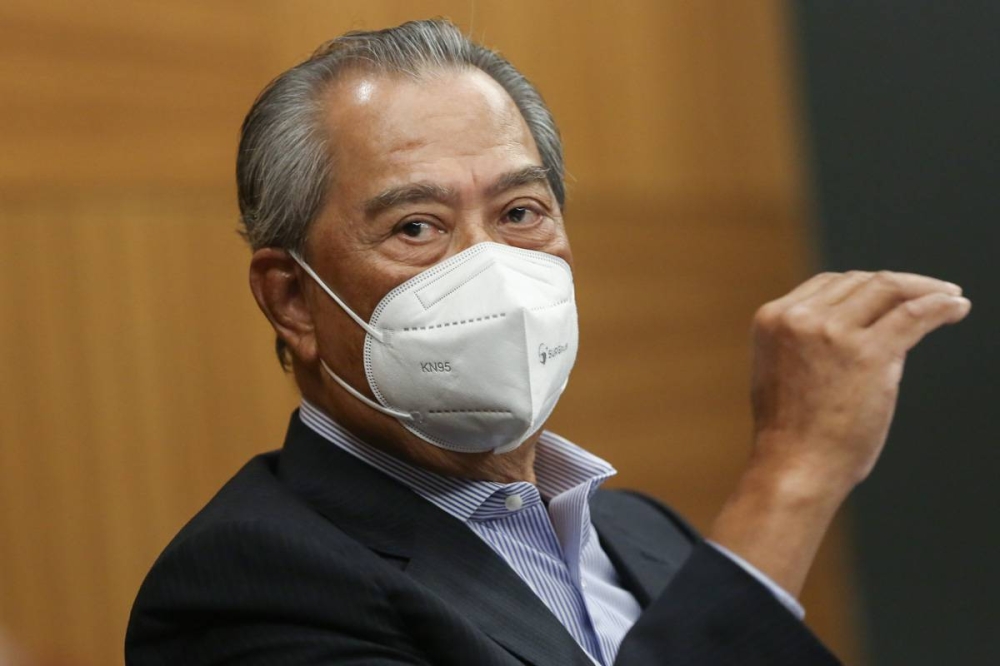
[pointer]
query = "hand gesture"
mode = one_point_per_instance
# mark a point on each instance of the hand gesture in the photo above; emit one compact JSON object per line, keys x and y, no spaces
{"x":828,"y":360}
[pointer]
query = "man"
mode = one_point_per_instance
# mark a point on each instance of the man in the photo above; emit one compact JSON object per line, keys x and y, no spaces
{"x":402,"y":191}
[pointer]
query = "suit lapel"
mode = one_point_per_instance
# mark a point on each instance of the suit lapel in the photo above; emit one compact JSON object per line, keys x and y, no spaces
{"x":465,"y":572}
{"x":444,"y":555}
{"x":645,"y":548}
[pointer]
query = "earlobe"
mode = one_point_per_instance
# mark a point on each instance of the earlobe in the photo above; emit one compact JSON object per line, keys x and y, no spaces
{"x":278,"y":290}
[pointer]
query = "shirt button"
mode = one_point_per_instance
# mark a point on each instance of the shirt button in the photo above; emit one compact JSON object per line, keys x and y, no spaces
{"x":513,"y":502}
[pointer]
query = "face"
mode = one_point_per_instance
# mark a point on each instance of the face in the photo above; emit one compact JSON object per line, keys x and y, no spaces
{"x":423,"y":170}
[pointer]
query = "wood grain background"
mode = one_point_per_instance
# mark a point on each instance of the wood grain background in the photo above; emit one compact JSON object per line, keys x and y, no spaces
{"x":136,"y":374}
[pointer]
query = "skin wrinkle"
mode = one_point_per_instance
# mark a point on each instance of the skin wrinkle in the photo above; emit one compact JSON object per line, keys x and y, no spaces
{"x":427,"y":191}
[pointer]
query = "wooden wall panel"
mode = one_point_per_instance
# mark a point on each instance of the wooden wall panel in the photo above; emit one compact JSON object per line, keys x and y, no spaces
{"x":133,"y":386}
{"x":136,"y":374}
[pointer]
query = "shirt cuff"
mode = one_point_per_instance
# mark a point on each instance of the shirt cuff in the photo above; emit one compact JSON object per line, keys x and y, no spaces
{"x":786,"y":600}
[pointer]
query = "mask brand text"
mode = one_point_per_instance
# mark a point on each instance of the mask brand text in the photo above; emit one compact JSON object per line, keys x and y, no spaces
{"x":546,"y":353}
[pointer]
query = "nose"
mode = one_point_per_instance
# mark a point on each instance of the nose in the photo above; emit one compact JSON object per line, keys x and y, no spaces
{"x":473,"y":230}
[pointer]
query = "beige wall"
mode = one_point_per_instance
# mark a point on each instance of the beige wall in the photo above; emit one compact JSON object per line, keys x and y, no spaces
{"x":136,"y":374}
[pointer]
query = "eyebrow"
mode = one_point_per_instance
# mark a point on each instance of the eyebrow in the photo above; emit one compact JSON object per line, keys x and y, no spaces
{"x":405,"y":194}
{"x":529,"y":175}
{"x":421,"y":192}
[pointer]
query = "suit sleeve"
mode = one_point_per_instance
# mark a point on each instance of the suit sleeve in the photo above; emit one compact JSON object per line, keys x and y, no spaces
{"x":714,"y":613}
{"x":264,"y":603}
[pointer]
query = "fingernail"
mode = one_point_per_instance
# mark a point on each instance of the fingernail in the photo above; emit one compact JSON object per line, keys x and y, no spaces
{"x":953,"y":287}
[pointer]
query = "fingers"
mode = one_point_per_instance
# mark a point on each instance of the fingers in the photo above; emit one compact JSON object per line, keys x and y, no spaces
{"x":879,"y":293}
{"x":907,"y":323}
{"x":807,"y":289}
{"x":837,"y":290}
{"x":858,"y":299}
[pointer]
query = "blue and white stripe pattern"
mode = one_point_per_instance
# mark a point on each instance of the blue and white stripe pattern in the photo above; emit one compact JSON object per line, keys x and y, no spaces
{"x":553,"y":549}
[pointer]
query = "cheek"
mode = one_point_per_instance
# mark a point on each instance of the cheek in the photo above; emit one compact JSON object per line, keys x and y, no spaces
{"x":567,"y":254}
{"x":364,"y":277}
{"x":559,"y":245}
{"x":351,"y":267}
{"x":364,"y":286}
{"x":417,"y":254}
{"x":341,"y":340}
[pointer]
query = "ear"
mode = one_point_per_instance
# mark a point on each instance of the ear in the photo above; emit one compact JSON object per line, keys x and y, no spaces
{"x":276,"y":283}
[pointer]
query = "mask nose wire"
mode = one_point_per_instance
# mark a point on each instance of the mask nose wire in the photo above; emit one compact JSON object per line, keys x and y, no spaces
{"x":369,"y":329}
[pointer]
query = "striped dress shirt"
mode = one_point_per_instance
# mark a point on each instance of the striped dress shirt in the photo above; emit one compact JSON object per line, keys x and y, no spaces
{"x":543,"y":532}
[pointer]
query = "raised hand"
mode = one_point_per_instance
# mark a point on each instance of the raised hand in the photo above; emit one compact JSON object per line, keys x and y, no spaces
{"x":827,"y":364}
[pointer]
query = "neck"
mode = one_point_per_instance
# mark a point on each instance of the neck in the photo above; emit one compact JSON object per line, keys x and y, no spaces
{"x":387,"y":434}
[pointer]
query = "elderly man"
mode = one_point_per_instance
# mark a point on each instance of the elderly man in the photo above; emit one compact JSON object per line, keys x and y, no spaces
{"x":402,"y":191}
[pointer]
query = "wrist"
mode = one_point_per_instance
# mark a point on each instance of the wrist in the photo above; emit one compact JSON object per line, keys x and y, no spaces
{"x":777,"y":517}
{"x":790,"y":469}
{"x":795,"y":488}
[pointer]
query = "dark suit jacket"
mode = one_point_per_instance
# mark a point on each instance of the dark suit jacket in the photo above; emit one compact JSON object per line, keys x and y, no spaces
{"x":308,"y":556}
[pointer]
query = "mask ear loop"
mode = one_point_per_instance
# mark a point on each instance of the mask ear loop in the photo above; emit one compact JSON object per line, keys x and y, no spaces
{"x":405,"y":416}
{"x":369,"y":329}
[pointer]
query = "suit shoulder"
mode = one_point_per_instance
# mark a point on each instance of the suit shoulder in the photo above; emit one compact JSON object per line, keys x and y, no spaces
{"x":254,"y":509}
{"x":257,"y":555}
{"x":254,"y":494}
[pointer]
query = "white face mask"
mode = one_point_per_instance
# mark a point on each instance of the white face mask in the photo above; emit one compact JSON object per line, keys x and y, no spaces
{"x":472,"y":354}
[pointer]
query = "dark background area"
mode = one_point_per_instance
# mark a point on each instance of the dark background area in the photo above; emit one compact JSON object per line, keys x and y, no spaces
{"x":902,"y":101}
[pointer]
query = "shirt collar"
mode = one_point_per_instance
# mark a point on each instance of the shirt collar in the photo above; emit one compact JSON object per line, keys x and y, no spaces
{"x":560,"y":466}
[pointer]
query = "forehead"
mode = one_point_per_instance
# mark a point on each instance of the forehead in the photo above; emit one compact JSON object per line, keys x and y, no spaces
{"x":447,"y":124}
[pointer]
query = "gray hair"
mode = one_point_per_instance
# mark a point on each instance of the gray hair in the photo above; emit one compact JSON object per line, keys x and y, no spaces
{"x":282,"y":168}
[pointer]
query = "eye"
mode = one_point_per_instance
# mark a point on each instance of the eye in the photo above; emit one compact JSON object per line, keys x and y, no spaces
{"x":415,"y":229}
{"x":522,"y":215}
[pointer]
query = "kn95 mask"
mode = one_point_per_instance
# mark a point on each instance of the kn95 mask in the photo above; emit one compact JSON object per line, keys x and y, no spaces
{"x":473,"y":353}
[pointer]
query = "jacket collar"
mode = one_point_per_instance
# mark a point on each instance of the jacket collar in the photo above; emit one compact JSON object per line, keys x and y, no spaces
{"x":441,"y":552}
{"x":445,"y":556}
